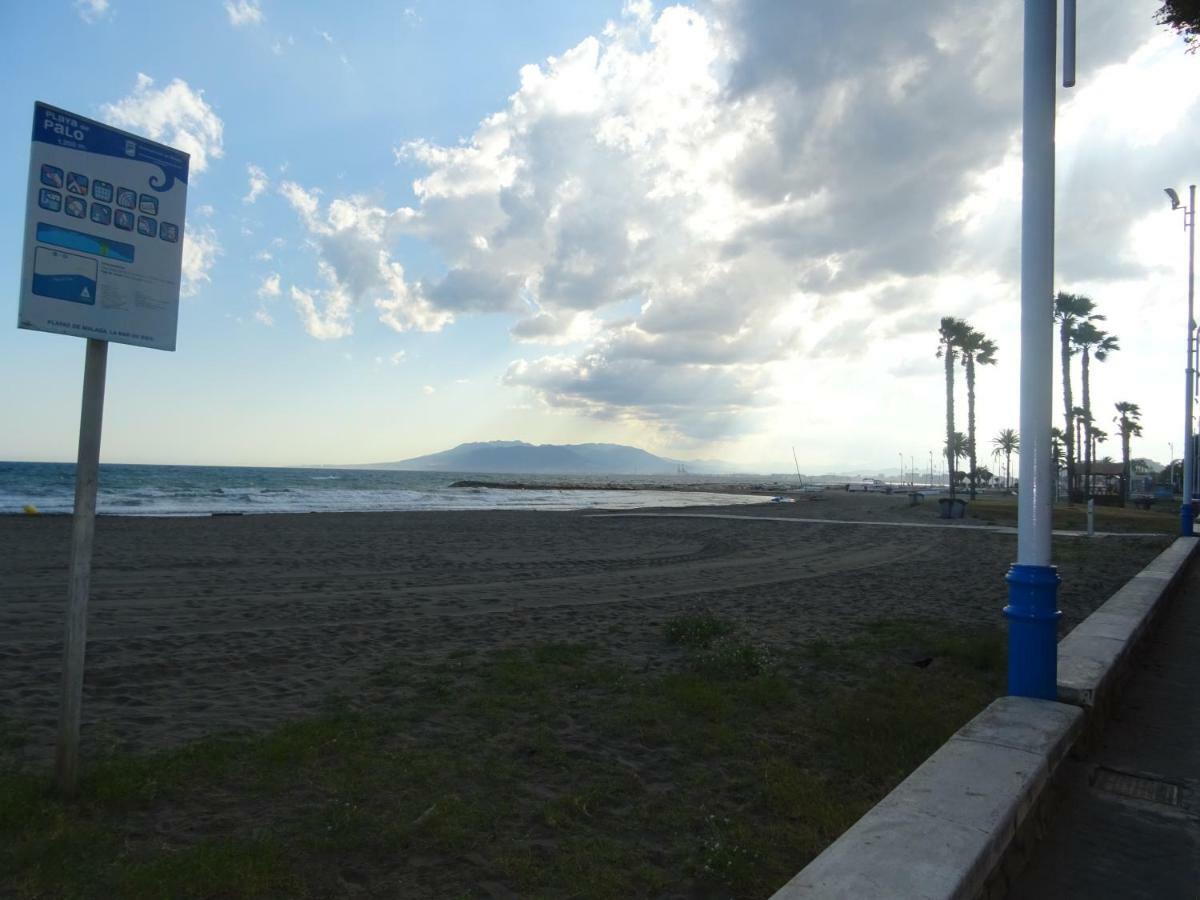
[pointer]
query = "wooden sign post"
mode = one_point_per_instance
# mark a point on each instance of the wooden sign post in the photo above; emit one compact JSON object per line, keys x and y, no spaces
{"x":83,"y":527}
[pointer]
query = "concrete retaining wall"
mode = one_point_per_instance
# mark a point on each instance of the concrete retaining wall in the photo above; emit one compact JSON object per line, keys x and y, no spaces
{"x":1094,"y":656}
{"x":945,"y":830}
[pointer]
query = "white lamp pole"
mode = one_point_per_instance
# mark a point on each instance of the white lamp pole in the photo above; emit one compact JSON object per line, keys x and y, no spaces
{"x":1032,"y":610}
{"x":1189,"y":455}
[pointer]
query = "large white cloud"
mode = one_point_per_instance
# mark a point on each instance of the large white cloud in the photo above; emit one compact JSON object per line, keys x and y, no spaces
{"x":703,"y":402}
{"x":176,"y":114}
{"x":325,"y":313}
{"x":607,"y":182}
{"x":269,"y":287}
{"x":352,"y":236}
{"x":765,"y":181}
{"x":257,"y":183}
{"x":200,"y":251}
{"x":703,"y":208}
{"x":92,"y":11}
{"x":616,"y":176}
{"x":244,"y":12}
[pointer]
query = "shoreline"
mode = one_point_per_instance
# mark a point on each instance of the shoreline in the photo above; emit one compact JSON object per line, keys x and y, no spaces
{"x":737,"y":498}
{"x":695,"y":487}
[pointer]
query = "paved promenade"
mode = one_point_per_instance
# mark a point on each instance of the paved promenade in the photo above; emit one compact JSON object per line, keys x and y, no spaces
{"x":1129,"y":824}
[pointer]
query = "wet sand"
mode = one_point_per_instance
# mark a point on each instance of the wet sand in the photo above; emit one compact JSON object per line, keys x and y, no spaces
{"x":209,"y":625}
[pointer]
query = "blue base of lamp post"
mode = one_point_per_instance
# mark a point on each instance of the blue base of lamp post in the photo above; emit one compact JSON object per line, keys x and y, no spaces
{"x":1185,"y":520}
{"x":1033,"y":615}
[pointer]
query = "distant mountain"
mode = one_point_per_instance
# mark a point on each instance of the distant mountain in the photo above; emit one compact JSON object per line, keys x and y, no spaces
{"x":518,"y":457}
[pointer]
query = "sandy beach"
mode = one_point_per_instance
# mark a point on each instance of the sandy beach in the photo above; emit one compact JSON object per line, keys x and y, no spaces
{"x":208,"y":625}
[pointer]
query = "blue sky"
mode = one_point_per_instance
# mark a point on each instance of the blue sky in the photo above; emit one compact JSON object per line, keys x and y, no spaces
{"x":719,"y":230}
{"x":346,"y":86}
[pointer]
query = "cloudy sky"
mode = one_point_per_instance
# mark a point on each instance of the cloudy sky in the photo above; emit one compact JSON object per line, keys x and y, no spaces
{"x":717,"y":230}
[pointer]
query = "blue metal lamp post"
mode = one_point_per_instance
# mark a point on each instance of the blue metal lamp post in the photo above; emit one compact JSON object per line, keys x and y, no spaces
{"x":1032,"y":609}
{"x":1189,"y":452}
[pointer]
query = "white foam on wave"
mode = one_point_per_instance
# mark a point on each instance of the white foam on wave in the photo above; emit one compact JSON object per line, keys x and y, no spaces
{"x":199,"y":491}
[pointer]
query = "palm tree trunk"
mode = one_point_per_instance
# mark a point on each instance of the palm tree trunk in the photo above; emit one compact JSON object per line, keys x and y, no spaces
{"x":970,"y":359}
{"x":1087,"y":429}
{"x":1125,"y":473}
{"x":950,"y":457}
{"x":1068,"y":407}
{"x":1007,"y":469}
{"x":1079,"y":444}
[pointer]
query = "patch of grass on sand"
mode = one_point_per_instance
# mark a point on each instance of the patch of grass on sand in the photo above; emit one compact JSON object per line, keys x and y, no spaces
{"x":1163,"y":518}
{"x":917,"y":642}
{"x":716,"y":646}
{"x":213,"y":867}
{"x":551,"y":770}
{"x":697,"y":629}
{"x":11,"y":738}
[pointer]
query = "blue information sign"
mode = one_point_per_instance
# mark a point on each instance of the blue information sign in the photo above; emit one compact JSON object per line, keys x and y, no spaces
{"x":104,"y":231}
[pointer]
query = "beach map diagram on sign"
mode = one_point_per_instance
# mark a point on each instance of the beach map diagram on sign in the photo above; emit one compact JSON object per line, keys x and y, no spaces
{"x":103,"y":232}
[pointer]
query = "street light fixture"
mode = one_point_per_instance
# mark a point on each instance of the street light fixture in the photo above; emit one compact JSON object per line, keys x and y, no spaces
{"x":1189,"y":225}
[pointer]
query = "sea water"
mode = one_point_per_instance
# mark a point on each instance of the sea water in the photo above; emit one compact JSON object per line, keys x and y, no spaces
{"x":137,"y":490}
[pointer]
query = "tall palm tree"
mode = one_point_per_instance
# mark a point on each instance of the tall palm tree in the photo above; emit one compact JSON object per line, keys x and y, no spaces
{"x":1056,"y":455}
{"x":1056,"y":444}
{"x":1090,"y":342}
{"x":956,"y":446}
{"x":1098,"y":437}
{"x":951,"y":332}
{"x":1127,"y":419}
{"x":1007,"y":442}
{"x":1069,"y":311}
{"x":1080,"y":415}
{"x":975,"y":348}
